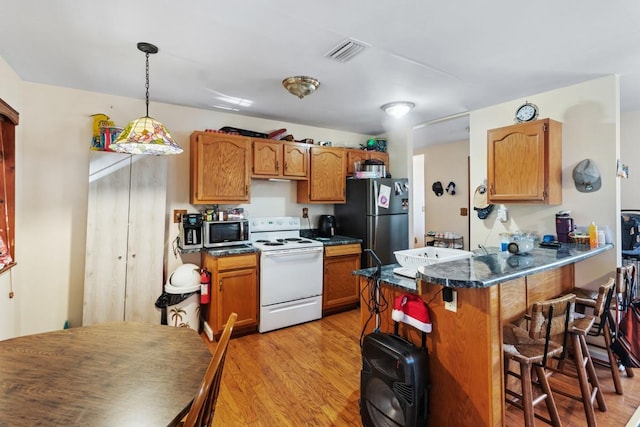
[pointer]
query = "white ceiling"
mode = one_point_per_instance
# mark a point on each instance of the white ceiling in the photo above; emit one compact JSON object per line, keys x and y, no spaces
{"x":447,"y":57}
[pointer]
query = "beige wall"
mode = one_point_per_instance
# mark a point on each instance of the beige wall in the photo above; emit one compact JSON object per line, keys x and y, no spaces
{"x":630,"y":155}
{"x":590,"y":115}
{"x":52,"y":182}
{"x":446,"y":163}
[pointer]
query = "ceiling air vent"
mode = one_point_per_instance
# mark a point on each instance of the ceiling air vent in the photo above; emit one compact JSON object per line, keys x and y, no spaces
{"x":346,"y":49}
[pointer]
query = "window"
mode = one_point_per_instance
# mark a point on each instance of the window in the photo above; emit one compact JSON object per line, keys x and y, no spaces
{"x":8,"y":123}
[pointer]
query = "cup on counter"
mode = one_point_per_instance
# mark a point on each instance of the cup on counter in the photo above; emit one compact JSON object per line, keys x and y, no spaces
{"x":505,"y":239}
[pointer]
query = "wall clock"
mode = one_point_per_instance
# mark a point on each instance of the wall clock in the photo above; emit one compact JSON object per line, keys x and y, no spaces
{"x":526,"y":112}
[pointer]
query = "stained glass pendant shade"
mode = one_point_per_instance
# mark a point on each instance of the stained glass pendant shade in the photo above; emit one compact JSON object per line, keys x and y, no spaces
{"x":146,"y":135}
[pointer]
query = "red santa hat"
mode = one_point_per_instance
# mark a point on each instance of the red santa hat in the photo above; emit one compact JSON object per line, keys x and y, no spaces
{"x":412,"y":310}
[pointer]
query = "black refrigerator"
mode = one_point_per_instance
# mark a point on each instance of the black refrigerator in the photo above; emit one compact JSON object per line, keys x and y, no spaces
{"x":377,"y":211}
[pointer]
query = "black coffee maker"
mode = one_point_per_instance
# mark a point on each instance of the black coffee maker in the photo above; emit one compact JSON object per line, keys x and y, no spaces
{"x":564,"y":226}
{"x":326,"y":226}
{"x":190,"y":236}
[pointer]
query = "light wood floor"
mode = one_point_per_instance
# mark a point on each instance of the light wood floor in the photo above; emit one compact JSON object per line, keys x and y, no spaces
{"x":309,"y":375}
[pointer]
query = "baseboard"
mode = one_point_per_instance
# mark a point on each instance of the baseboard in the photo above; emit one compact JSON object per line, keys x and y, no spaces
{"x":208,"y":331}
{"x":634,"y":421}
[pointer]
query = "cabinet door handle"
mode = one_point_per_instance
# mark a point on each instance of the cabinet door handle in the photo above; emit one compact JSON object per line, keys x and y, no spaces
{"x":277,"y":165}
{"x":246,"y":190}
{"x":286,"y":166}
{"x":220,"y":284}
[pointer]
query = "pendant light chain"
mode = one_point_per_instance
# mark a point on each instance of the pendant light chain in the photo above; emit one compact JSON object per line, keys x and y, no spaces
{"x":147,"y":83}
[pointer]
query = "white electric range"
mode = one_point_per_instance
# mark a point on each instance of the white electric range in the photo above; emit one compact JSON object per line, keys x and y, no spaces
{"x":291,"y":270}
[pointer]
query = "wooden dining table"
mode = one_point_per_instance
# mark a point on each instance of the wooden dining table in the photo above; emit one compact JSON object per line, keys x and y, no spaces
{"x":111,"y":374}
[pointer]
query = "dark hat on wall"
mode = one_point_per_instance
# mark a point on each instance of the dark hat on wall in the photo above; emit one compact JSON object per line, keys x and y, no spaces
{"x":586,"y":176}
{"x":437,"y":188}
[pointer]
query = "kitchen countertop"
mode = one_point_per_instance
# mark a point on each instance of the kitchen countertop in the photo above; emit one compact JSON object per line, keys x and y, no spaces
{"x":224,"y":250}
{"x":329,"y":241}
{"x":249,"y":248}
{"x":482,"y":271}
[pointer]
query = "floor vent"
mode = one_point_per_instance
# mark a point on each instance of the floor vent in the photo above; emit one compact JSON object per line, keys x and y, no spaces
{"x":346,"y":49}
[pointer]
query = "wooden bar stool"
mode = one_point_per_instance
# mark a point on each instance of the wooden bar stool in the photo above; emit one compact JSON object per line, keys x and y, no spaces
{"x":605,"y":325}
{"x":531,"y":349}
{"x":590,"y":389}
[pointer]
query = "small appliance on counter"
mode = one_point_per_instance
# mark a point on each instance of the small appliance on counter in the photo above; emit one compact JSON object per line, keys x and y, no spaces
{"x":190,"y":236}
{"x":326,"y":226}
{"x":564,"y":226}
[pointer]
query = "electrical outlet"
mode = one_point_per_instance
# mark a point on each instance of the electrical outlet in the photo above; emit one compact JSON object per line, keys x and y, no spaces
{"x":305,"y":212}
{"x":177,"y":215}
{"x":453,"y":304}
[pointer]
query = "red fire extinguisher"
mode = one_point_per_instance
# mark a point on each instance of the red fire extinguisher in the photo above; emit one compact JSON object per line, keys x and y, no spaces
{"x":205,"y":286}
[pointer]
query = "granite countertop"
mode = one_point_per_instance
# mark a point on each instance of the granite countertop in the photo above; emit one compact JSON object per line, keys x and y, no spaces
{"x":329,"y":241}
{"x":482,"y":271}
{"x":223,"y":250}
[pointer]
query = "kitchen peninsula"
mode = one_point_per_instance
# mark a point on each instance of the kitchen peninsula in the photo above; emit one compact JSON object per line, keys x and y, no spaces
{"x":465,"y":346}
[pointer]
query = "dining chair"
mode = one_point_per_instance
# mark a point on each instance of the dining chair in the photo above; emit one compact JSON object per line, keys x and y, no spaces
{"x":531,"y":348}
{"x":204,"y":403}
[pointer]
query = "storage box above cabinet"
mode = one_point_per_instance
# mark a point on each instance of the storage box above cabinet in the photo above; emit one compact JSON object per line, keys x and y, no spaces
{"x":524,"y":163}
{"x":220,"y":168}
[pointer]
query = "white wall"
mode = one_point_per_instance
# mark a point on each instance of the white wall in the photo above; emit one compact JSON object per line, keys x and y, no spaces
{"x":447,"y":163}
{"x":630,"y":155}
{"x":52,"y":146}
{"x":590,"y":115}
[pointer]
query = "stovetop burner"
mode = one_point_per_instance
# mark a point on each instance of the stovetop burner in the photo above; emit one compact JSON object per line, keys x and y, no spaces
{"x":279,"y":234}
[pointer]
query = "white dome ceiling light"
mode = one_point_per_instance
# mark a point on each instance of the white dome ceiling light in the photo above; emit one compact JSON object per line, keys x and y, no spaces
{"x":398,"y":109}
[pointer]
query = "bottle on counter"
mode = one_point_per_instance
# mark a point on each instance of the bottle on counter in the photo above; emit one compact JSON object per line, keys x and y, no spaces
{"x":593,"y":235}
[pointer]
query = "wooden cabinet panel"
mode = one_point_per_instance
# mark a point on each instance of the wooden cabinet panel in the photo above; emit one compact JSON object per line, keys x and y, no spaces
{"x":513,"y":300}
{"x":234,"y":288}
{"x":267,"y":158}
{"x":296,"y":161}
{"x":524,"y":163}
{"x":549,"y":284}
{"x":277,"y":159}
{"x":340,"y":287}
{"x":327,"y":176}
{"x":220,"y":168}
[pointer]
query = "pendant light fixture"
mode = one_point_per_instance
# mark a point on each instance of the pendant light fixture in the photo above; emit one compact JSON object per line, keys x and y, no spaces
{"x":301,"y":86}
{"x":146,"y":135}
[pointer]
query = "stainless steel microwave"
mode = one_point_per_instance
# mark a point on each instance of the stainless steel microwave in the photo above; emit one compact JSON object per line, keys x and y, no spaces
{"x":225,"y":233}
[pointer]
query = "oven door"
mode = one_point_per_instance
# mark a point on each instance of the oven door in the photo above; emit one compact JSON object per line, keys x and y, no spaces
{"x":290,"y":275}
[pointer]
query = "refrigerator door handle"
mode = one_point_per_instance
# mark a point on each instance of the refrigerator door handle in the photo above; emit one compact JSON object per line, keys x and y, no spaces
{"x":375,"y":198}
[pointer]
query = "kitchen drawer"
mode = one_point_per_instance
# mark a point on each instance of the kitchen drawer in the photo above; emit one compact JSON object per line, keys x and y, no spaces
{"x":339,"y":250}
{"x":237,"y":261}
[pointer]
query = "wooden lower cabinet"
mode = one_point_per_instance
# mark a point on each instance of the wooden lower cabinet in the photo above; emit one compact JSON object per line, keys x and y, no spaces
{"x":465,"y":347}
{"x":234,"y":289}
{"x":340,"y":287}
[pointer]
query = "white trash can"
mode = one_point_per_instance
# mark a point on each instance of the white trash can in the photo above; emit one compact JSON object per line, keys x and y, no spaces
{"x":185,"y":310}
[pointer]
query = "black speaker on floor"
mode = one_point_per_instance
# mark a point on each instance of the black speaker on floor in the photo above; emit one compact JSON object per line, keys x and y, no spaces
{"x":394,"y":382}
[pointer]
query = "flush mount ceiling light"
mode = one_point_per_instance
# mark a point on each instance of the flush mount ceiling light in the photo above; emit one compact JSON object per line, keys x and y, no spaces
{"x":146,"y":135}
{"x":301,"y":86}
{"x":398,"y":109}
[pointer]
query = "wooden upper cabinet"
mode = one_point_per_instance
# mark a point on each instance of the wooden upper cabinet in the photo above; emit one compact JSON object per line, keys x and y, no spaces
{"x":524,"y":163}
{"x":327,"y":176}
{"x":355,"y":155}
{"x":275,"y":159}
{"x":220,"y":168}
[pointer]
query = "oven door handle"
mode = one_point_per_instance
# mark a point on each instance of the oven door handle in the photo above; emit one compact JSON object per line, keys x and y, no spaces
{"x":288,"y":252}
